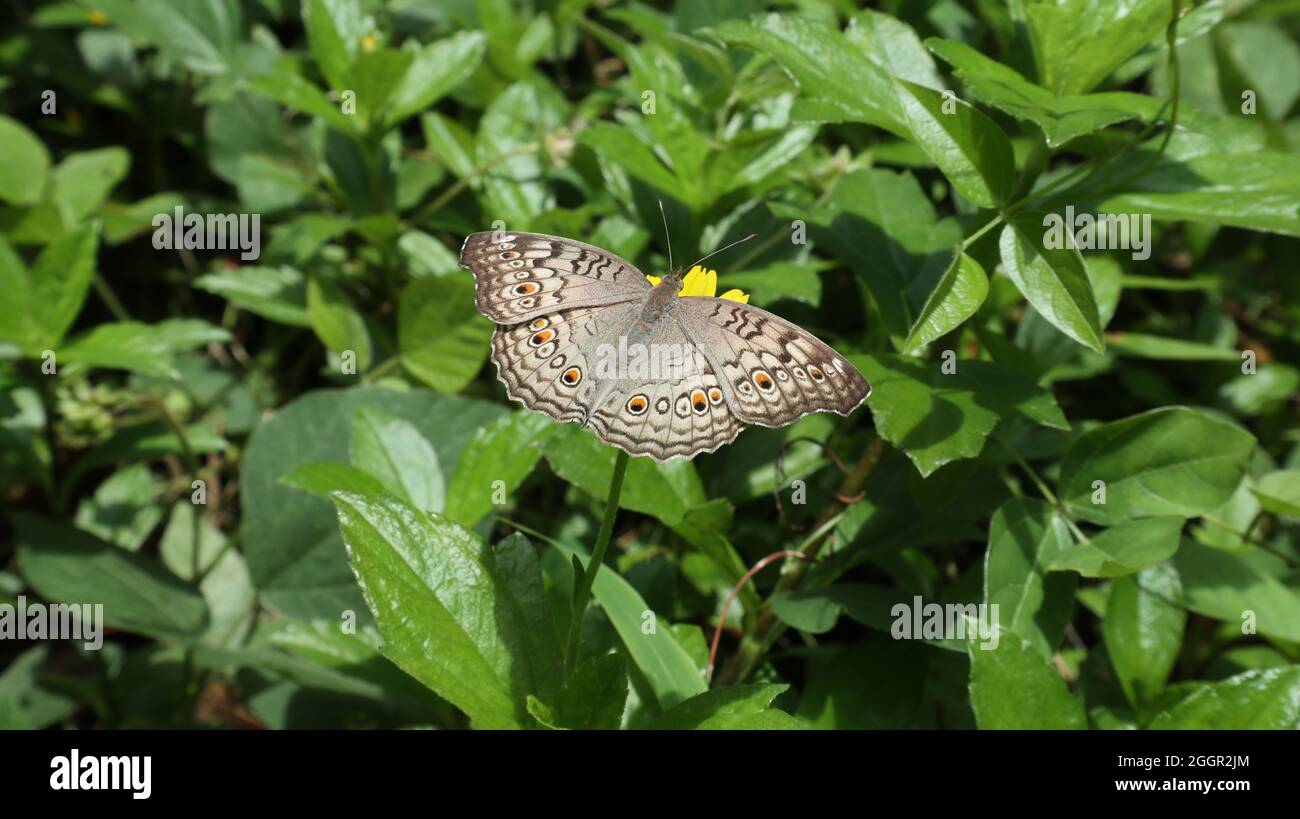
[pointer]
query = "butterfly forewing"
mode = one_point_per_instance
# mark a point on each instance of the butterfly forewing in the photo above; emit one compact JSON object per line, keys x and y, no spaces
{"x":521,"y":276}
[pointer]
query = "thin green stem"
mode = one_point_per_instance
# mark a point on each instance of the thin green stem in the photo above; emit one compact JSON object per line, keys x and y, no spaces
{"x":110,"y":298}
{"x":582,"y":585}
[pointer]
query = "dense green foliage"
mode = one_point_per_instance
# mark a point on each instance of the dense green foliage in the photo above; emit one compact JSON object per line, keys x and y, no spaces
{"x":303,"y":499}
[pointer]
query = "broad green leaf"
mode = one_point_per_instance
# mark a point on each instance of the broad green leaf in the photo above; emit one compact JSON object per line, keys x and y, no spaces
{"x":1240,"y":589}
{"x":1267,"y":699}
{"x":124,"y":345}
{"x":1123,"y":549}
{"x":337,"y":322}
{"x":442,"y":338}
{"x":958,"y":295}
{"x":1024,"y":537}
{"x":1061,"y":118}
{"x":622,"y":147}
{"x":735,"y":707}
{"x":67,"y":565}
{"x":437,"y":68}
{"x":468,"y":620}
{"x":670,"y":671}
{"x":40,"y":304}
{"x":286,"y":86}
{"x":24,"y":163}
{"x":499,"y":456}
{"x":1054,"y":280}
{"x":704,"y":527}
{"x":968,"y":147}
{"x":333,"y":28}
{"x":937,"y":417}
{"x":224,"y":580}
{"x":1267,"y":60}
{"x":664,"y":490}
{"x":595,"y":696}
{"x":82,"y":181}
{"x":1172,"y":461}
{"x":393,"y":451}
{"x":320,"y":478}
{"x":1144,"y":633}
{"x":843,"y":688}
{"x":200,"y":34}
{"x":884,"y":226}
{"x":376,"y":77}
{"x":1279,"y":492}
{"x":290,"y":541}
{"x":817,"y":610}
{"x":276,"y":293}
{"x":507,"y":143}
{"x":1078,"y":43}
{"x":842,"y":77}
{"x":123,"y":510}
{"x":1012,"y":686}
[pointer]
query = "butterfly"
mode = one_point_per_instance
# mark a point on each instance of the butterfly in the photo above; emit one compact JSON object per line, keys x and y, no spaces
{"x":585,"y":337}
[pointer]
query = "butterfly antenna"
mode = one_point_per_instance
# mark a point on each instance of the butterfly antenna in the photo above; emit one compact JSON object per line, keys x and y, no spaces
{"x":719,"y":250}
{"x":668,"y":239}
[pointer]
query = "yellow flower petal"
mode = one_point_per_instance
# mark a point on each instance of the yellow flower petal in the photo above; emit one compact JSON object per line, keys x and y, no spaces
{"x":736,"y":295}
{"x":654,"y":280}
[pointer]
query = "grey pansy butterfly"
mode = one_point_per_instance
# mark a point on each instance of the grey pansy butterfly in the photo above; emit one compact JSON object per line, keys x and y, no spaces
{"x":585,"y":337}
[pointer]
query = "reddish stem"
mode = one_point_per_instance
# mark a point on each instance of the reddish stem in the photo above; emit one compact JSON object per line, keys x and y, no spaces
{"x":735,"y":590}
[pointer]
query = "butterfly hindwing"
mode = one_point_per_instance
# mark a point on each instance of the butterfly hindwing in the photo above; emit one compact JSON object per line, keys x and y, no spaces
{"x":772,"y":371}
{"x":521,"y":276}
{"x":667,"y":419}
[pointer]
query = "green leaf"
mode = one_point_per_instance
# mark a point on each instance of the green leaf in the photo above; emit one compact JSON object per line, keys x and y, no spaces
{"x":1267,"y":60}
{"x":1143,"y":633}
{"x":376,"y":77}
{"x":292,"y":546}
{"x":508,"y":144}
{"x":1169,"y":461}
{"x":736,"y":707}
{"x":40,"y":304}
{"x":82,"y":181}
{"x":337,"y":322}
{"x":1012,"y":686}
{"x":670,"y":671}
{"x":125,"y":345}
{"x":286,"y":86}
{"x":24,"y":163}
{"x":123,"y":510}
{"x":1061,"y":118}
{"x":437,"y":68}
{"x":1279,"y":492}
{"x":845,"y":77}
{"x":1024,"y":536}
{"x":817,"y":610}
{"x":276,"y":293}
{"x":395,"y":453}
{"x":595,"y":695}
{"x":1124,"y":549}
{"x":1078,"y":43}
{"x":224,"y":581}
{"x":1053,"y":280}
{"x":884,"y":227}
{"x":70,"y":566}
{"x":1138,"y":345}
{"x":333,"y":28}
{"x":1236,"y":588}
{"x":664,"y":490}
{"x":442,"y":338}
{"x":937,"y":417}
{"x":501,"y":454}
{"x":320,"y":478}
{"x":968,"y":147}
{"x":1268,"y":699}
{"x":468,"y":620}
{"x":958,"y":295}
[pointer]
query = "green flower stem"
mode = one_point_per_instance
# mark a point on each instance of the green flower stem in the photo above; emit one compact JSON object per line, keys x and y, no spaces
{"x":582,"y":584}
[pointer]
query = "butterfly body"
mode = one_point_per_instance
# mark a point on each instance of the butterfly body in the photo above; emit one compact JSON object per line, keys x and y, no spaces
{"x":583,"y":336}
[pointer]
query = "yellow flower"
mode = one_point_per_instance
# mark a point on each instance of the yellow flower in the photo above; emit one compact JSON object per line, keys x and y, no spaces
{"x":702,"y":282}
{"x":97,"y":17}
{"x":369,"y":42}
